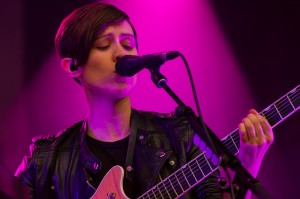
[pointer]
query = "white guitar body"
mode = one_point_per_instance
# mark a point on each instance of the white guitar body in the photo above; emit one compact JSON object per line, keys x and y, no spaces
{"x":111,"y":186}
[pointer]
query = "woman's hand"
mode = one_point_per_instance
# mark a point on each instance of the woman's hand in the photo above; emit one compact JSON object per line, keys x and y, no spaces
{"x":256,"y":136}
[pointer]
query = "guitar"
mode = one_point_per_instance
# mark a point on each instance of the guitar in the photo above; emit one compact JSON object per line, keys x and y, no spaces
{"x":201,"y":166}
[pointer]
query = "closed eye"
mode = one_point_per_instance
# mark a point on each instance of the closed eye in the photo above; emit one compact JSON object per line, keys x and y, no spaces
{"x":129,"y":48}
{"x":103,"y":47}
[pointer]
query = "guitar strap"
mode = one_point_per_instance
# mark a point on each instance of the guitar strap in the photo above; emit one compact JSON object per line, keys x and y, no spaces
{"x":131,"y":145}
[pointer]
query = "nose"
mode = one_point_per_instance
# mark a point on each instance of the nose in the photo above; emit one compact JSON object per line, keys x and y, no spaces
{"x":119,"y":52}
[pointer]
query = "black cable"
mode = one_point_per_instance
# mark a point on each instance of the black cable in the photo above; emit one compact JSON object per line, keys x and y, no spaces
{"x":200,"y":117}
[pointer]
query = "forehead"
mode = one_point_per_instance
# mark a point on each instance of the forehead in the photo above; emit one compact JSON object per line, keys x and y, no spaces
{"x":122,"y":28}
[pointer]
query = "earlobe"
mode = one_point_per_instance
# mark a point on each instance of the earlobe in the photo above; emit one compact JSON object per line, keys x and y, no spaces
{"x":68,"y":65}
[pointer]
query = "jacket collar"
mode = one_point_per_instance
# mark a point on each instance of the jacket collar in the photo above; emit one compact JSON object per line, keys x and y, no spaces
{"x":88,"y":159}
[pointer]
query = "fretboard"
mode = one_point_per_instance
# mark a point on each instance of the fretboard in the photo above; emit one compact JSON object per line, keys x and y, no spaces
{"x":183,"y":179}
{"x":275,"y":114}
{"x":204,"y":164}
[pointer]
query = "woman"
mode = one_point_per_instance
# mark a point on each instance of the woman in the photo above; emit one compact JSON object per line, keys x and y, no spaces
{"x":72,"y":163}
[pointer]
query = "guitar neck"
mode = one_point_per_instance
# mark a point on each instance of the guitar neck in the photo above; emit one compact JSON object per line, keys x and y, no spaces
{"x":183,"y":179}
{"x":275,"y":114}
{"x":204,"y":164}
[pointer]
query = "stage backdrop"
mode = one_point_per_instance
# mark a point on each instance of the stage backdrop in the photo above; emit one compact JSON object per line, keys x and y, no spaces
{"x":242,"y":56}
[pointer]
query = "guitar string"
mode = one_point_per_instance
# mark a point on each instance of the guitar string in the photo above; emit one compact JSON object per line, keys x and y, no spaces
{"x":294,"y":97}
{"x":280,"y":109}
{"x":269,"y":115}
{"x":291,"y":93}
{"x":275,"y":115}
{"x":282,"y":103}
{"x":189,"y":173}
{"x":182,"y":180}
{"x":188,"y":177}
{"x":182,"y":177}
{"x":230,"y":139}
{"x":156,"y":188}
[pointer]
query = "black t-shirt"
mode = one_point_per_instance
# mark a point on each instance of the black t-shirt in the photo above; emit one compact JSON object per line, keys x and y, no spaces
{"x":111,"y":154}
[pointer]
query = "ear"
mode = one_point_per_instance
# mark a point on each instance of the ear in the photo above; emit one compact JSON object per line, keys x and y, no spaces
{"x":66,"y":65}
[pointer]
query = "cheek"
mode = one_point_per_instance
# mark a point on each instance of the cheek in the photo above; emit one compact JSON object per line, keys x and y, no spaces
{"x":134,"y":52}
{"x":99,"y":65}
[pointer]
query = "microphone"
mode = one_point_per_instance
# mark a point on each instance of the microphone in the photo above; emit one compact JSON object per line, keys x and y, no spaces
{"x":129,"y":65}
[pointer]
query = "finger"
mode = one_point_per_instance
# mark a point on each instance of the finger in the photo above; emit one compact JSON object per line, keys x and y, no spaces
{"x":250,"y":130}
{"x":253,"y":111}
{"x":243,"y":133}
{"x":267,"y":129}
{"x":260,"y":136}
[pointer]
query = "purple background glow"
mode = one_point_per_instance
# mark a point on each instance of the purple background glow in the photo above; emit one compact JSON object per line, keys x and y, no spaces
{"x":242,"y":56}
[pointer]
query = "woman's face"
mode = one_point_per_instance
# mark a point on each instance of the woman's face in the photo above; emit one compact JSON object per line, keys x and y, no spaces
{"x":98,"y":74}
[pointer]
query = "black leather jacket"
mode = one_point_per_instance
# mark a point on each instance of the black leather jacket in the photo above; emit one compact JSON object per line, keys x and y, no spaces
{"x":59,"y":165}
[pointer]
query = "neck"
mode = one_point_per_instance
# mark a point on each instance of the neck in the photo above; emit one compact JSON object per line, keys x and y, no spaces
{"x":109,"y":120}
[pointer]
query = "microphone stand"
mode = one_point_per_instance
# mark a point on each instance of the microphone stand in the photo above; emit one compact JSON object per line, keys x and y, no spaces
{"x":228,"y":159}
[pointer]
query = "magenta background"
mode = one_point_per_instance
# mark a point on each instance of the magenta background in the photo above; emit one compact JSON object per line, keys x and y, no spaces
{"x":242,"y":55}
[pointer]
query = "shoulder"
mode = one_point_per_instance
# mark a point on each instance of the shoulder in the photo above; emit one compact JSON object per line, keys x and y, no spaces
{"x":52,"y":140}
{"x":169,"y":123}
{"x":157,"y":116}
{"x":152,"y":121}
{"x":168,"y":120}
{"x":44,"y":139}
{"x":41,"y":145}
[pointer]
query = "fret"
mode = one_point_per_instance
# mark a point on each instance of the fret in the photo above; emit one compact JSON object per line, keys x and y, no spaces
{"x":163,"y":191}
{"x":278,"y":111}
{"x":236,"y":148}
{"x":226,"y":141}
{"x":156,"y":193}
{"x":189,"y":175}
{"x":291,"y":102}
{"x":294,"y":96}
{"x":205,"y":167}
{"x":194,"y":177}
{"x":186,"y":184}
{"x":148,"y":196}
{"x":173,"y":189}
{"x":167,"y":187}
{"x":209,"y":164}
{"x":200,"y":173}
{"x":152,"y":195}
{"x":232,"y":142}
{"x":181,"y":179}
{"x":204,"y":164}
{"x":174,"y":175}
{"x":159,"y":194}
{"x":271,"y":114}
{"x":284,"y":106}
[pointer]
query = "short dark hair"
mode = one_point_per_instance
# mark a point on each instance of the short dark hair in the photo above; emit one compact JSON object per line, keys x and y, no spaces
{"x":79,"y":30}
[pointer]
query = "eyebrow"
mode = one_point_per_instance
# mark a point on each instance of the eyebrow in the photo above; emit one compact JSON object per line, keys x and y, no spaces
{"x":110,"y":34}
